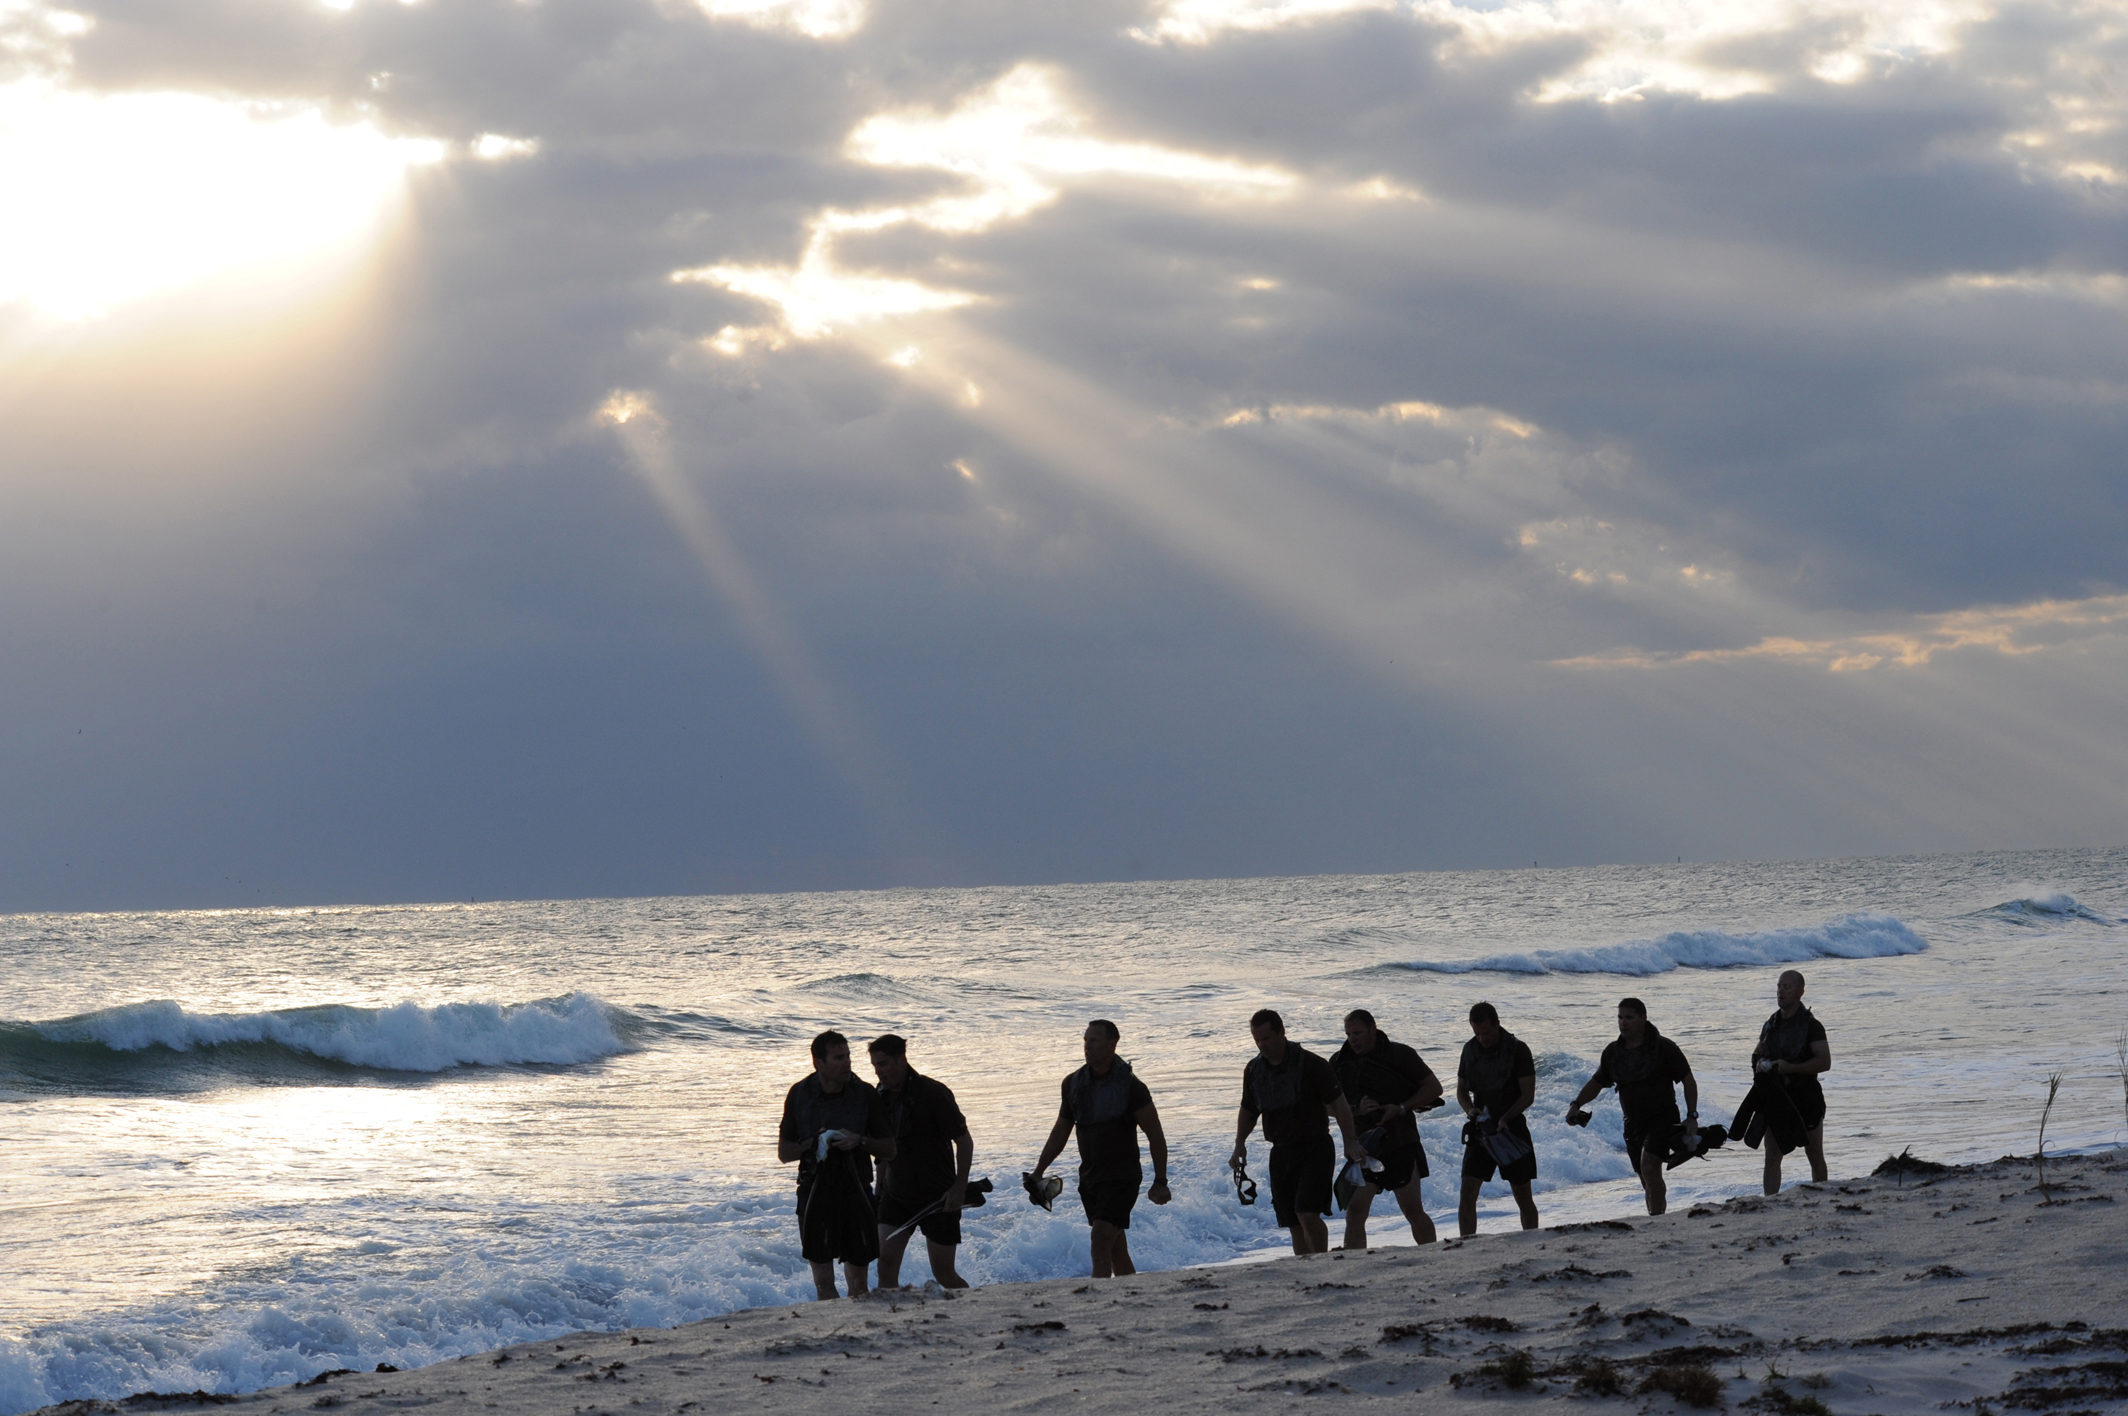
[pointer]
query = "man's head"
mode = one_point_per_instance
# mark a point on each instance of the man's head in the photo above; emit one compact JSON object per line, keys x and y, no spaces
{"x":1269,"y":1030}
{"x":831,"y":1057}
{"x":1485,"y":1024}
{"x":1360,"y":1031}
{"x":1101,"y":1039}
{"x":890,"y":1060}
{"x":1632,"y":1019}
{"x":1789,"y":990}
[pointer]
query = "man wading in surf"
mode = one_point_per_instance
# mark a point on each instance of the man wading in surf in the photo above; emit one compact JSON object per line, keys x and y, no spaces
{"x":1645,"y":1066}
{"x":1495,"y":1083}
{"x":932,"y":1153}
{"x":1792,"y":1051}
{"x":1295,"y":1093}
{"x":833,"y":1124}
{"x":1108,"y":1105}
{"x":1388,"y":1085}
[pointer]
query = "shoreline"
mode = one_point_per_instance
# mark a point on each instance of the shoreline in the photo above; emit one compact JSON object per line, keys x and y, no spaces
{"x":1854,"y":1296}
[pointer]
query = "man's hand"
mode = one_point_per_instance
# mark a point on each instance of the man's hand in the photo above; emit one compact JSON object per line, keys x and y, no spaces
{"x":955,"y":1194}
{"x":1356,"y":1153}
{"x":1159,"y":1194}
{"x":845,"y":1140}
{"x":1367,"y":1106}
{"x":1240,"y":1157}
{"x":1767,"y":1064}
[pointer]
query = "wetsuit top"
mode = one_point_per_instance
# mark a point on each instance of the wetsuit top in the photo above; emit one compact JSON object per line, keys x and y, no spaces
{"x":1389,"y":1074}
{"x":924,"y":1119}
{"x":1645,"y":1075}
{"x":1294,"y":1097}
{"x":1789,"y":1039}
{"x":1105,"y":1112}
{"x":1495,"y":1076}
{"x":808,"y":1110}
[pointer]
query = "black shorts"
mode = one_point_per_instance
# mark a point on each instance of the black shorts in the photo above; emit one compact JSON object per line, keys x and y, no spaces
{"x":1399,"y":1168}
{"x":1478,"y":1162}
{"x":1109,"y":1195}
{"x":1660,"y":1133}
{"x":941,"y":1226}
{"x":1302,"y":1174}
{"x":835,"y":1217}
{"x":1809,"y":1097}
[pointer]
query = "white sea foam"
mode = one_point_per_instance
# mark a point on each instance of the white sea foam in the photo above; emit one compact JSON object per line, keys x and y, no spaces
{"x":1851,"y":936}
{"x":404,"y":1037}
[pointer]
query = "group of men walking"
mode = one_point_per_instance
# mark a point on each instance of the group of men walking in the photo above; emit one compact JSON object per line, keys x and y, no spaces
{"x":835,"y":1125}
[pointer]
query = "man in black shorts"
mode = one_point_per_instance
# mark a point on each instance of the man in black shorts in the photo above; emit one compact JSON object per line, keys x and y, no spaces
{"x":1295,"y":1093}
{"x":833,"y":1124}
{"x":1108,"y":1105}
{"x":1387,"y":1085}
{"x":1792,"y":1051}
{"x":932,"y":1153}
{"x":1646,"y":1067}
{"x":1495,"y":1083}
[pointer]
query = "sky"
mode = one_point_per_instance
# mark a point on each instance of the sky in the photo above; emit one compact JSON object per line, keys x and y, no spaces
{"x":471,"y":449}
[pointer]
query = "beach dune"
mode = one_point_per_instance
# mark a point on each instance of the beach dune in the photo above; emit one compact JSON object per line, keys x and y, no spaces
{"x":1888,"y":1294}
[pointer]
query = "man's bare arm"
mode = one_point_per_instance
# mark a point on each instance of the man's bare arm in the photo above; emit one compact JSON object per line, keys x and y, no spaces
{"x":1148,"y":1118}
{"x":1522,"y":1103}
{"x":789,"y":1150}
{"x":1464,"y":1099}
{"x":1691,"y":1085}
{"x":1244,"y":1122}
{"x":1342,"y":1110}
{"x":1820,"y":1061}
{"x":1054,"y":1146}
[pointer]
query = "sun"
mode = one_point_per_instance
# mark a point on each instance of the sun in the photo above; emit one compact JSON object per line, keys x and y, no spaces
{"x":114,"y":198}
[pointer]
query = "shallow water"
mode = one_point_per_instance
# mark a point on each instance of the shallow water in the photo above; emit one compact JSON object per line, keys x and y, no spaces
{"x":246,"y":1147}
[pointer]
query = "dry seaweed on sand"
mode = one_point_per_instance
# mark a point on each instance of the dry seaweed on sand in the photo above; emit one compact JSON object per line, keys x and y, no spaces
{"x":1694,"y":1386}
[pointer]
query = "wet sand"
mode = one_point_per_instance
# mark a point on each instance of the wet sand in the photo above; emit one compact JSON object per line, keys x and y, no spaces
{"x":1854,"y":1296}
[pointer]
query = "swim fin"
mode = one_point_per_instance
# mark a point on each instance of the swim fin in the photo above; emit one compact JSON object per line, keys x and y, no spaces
{"x":1041,"y":1192}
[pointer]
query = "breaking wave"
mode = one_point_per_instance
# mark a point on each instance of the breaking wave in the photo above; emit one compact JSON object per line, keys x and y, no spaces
{"x":139,"y":1043}
{"x":1851,"y":936}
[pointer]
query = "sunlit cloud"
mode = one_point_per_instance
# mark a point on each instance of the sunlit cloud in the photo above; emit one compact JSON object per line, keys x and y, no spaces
{"x":1015,"y":144}
{"x":1712,"y":48}
{"x":494,"y":147}
{"x":815,"y":19}
{"x":110,"y":199}
{"x":2003,"y":629}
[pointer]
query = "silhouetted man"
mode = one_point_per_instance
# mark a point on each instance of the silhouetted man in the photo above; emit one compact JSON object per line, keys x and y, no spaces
{"x":833,"y":1124}
{"x":1295,"y":1093}
{"x":1387,"y":1085}
{"x":1496,"y":1081}
{"x":932,"y":1153}
{"x":1646,"y":1067}
{"x":1107,"y":1104}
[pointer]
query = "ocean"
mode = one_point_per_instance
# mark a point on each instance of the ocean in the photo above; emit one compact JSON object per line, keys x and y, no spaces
{"x":244,"y":1147}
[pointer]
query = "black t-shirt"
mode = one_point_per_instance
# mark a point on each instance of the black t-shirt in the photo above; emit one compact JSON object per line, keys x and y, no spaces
{"x":1494,"y":1076}
{"x":1389,"y":1074}
{"x":1104,"y":1110}
{"x":1293,"y":1097}
{"x":1789,"y":1040}
{"x":1644,"y":1075}
{"x":924,"y":1118}
{"x":808,"y":1110}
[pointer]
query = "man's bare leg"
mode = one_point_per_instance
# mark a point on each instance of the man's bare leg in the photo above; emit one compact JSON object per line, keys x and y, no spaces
{"x":891,"y":1247}
{"x":1467,"y":1207}
{"x":1652,"y":1180}
{"x":1108,"y":1246}
{"x":823,"y":1281}
{"x":941,"y":1264}
{"x":1814,"y":1147}
{"x":1412,"y":1201}
{"x":1310,"y":1234}
{"x":1773,"y":1165}
{"x":1356,"y":1216}
{"x":1524,"y":1201}
{"x":859,"y":1278}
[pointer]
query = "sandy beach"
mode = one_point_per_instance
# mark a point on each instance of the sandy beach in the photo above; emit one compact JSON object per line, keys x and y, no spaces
{"x":1966,"y":1289}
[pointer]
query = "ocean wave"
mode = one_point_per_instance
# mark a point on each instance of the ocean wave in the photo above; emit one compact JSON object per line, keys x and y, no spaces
{"x":1851,"y":936}
{"x":2046,"y":907}
{"x":115,"y":1042}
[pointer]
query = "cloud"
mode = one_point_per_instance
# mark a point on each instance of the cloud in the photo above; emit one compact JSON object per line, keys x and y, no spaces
{"x":2013,"y":630}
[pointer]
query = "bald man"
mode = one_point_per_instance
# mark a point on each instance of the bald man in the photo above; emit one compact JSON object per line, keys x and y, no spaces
{"x":1792,"y":1051}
